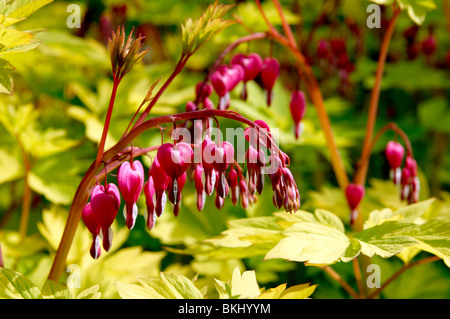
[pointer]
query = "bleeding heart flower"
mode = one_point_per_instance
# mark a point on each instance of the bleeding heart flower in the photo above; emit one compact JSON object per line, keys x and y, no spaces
{"x":222,"y":156}
{"x":175,"y":159}
{"x":394,"y":153}
{"x":354,"y":194}
{"x":174,"y":190}
{"x":198,"y":181}
{"x":160,"y":183}
{"x":105,"y":205}
{"x":256,"y":163}
{"x":149,"y":191}
{"x":130,"y":178}
{"x":93,"y":225}
{"x":224,"y":79}
{"x":269,"y":74}
{"x":251,"y":65}
{"x":251,"y":134}
{"x":233,"y":182}
{"x":298,"y":109}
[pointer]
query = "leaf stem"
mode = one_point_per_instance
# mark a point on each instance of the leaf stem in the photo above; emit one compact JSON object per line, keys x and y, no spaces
{"x":358,"y":277}
{"x":330,"y":271}
{"x":400,"y":271}
{"x":362,"y":167}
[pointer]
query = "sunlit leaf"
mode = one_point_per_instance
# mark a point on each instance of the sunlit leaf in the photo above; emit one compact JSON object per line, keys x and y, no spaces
{"x":14,"y":285}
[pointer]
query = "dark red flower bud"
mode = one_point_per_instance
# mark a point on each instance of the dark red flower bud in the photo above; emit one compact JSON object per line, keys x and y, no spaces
{"x":338,"y":47}
{"x":233,"y":182}
{"x":269,"y":74}
{"x":429,"y":45}
{"x":203,"y":90}
{"x":298,"y":109}
{"x":191,"y":106}
{"x":323,"y":49}
{"x":354,"y":194}
{"x":244,"y":194}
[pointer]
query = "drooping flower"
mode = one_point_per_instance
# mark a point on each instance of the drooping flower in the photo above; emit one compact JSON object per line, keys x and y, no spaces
{"x":251,"y":65}
{"x":269,"y":73}
{"x":174,"y":190}
{"x":323,"y":50}
{"x":298,"y":109}
{"x":149,"y":191}
{"x":409,"y":181}
{"x":198,"y":182}
{"x":130,"y":179}
{"x":233,"y":182}
{"x":429,"y":45}
{"x":224,"y":79}
{"x":222,"y":156}
{"x":394,"y":154}
{"x":354,"y":194}
{"x":160,"y":183}
{"x":255,"y":169}
{"x":93,"y":225}
{"x":105,"y":203}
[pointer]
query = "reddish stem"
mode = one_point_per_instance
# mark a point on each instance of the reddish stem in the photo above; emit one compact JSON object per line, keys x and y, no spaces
{"x":101,"y":145}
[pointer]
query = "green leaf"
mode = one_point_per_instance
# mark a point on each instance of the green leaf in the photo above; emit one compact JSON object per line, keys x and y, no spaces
{"x":312,"y":243}
{"x":14,"y":285}
{"x":168,"y":286}
{"x":434,"y":237}
{"x":244,"y":286}
{"x":54,"y":290}
{"x":434,"y":114}
{"x":6,"y":82}
{"x":196,"y":33}
{"x":417,"y":9}
{"x":386,"y":239}
{"x":23,"y":8}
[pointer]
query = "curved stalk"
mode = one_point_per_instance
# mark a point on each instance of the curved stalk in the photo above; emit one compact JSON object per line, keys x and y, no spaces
{"x":314,"y":93}
{"x":363,"y":164}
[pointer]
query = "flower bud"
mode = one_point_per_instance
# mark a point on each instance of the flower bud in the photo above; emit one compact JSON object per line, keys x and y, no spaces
{"x":269,"y":73}
{"x":354,"y":194}
{"x":298,"y":109}
{"x":149,"y":191}
{"x":429,"y":45}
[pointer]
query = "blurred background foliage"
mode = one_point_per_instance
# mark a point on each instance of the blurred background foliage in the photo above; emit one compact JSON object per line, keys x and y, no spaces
{"x":62,"y":89}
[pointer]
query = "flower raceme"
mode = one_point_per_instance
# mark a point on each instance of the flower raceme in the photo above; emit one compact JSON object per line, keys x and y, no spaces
{"x":405,"y":177}
{"x":216,"y":170}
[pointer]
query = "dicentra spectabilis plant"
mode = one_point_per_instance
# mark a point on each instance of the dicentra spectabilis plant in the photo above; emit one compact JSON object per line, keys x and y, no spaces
{"x":212,"y":165}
